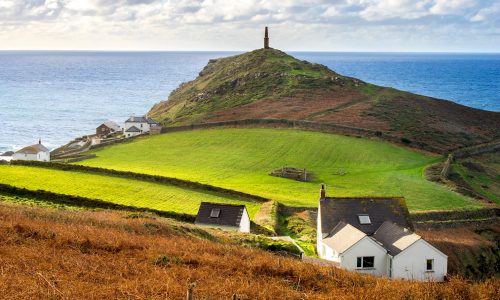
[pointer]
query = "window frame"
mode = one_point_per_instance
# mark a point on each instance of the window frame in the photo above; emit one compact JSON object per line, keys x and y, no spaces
{"x":427,"y":260}
{"x":215,"y":213}
{"x":364,"y":223}
{"x":360,"y":263}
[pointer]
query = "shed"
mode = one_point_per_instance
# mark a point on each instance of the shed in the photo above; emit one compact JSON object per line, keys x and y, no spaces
{"x":224,"y":216}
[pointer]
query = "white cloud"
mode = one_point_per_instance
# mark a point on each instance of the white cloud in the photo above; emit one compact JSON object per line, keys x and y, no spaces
{"x":195,"y":24}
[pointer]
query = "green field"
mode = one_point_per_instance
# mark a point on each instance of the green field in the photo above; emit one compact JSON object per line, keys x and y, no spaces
{"x":241,"y":159}
{"x":114,"y":189}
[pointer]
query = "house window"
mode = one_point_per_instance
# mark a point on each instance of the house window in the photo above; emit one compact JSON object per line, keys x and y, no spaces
{"x":429,"y":265}
{"x":215,"y":213}
{"x":364,"y":219}
{"x":365,"y":262}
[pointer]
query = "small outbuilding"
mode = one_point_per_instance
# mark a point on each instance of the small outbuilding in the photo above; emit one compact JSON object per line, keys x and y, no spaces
{"x":223,"y":216}
{"x":36,"y":152}
{"x":375,"y":235}
{"x":132,"y":131}
{"x":107,"y":128}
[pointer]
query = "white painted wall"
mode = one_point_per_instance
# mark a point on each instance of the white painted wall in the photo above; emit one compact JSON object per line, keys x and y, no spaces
{"x":245,"y":222}
{"x":131,"y":134}
{"x":40,"y":156}
{"x":365,"y":247}
{"x":142,"y":126}
{"x":411,"y":263}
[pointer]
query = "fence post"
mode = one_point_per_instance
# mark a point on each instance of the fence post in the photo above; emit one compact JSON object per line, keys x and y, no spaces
{"x":189,"y":295}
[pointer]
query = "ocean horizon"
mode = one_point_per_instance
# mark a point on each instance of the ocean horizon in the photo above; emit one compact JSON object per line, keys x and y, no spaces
{"x":60,"y":95}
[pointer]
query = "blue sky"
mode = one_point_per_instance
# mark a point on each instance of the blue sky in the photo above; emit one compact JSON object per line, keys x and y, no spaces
{"x":314,"y":25}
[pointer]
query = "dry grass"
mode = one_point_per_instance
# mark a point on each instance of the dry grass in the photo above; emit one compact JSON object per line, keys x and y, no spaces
{"x":45,"y":253}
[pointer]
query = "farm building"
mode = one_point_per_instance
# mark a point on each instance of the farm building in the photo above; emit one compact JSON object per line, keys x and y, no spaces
{"x":36,"y":152}
{"x":374,"y":235}
{"x":143,"y":124}
{"x":223,"y":216}
{"x":107,"y":128}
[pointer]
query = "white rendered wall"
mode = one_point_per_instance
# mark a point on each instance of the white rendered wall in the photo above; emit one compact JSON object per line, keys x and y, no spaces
{"x":365,"y":247}
{"x":245,"y":222}
{"x":144,"y":128}
{"x":23,"y":156}
{"x":411,"y":263}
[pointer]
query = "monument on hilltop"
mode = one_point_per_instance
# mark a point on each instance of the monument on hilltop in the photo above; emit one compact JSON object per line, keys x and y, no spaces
{"x":266,"y":39}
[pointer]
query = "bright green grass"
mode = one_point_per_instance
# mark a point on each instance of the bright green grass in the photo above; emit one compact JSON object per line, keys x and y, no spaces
{"x":241,"y":159}
{"x":114,"y":189}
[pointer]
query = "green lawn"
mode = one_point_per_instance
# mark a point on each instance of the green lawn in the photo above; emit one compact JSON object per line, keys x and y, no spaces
{"x":114,"y":189}
{"x":241,"y":159}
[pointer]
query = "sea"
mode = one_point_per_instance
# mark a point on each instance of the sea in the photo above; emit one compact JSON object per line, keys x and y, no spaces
{"x":56,"y":96}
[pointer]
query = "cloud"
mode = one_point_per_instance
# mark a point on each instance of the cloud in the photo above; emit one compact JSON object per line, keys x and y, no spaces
{"x":140,"y":24}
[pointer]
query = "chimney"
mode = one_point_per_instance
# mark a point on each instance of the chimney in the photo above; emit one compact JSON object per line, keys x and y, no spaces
{"x":39,"y":141}
{"x":266,"y":39}
{"x":322,"y":192}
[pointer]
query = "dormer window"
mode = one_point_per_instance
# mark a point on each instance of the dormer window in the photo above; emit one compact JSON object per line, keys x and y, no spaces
{"x":364,"y":219}
{"x":215,"y":213}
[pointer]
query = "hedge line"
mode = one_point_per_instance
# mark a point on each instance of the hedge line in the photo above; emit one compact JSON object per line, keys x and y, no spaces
{"x":140,"y":176}
{"x":456,"y":215}
{"x":87,"y":202}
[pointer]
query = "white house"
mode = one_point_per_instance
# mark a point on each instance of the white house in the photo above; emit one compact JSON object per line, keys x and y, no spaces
{"x":142,"y":124}
{"x":374,"y":235}
{"x":132,"y":131}
{"x":36,"y":152}
{"x":223,"y":216}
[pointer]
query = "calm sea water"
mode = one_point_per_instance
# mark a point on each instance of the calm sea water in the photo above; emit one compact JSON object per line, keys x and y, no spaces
{"x":57,"y":96}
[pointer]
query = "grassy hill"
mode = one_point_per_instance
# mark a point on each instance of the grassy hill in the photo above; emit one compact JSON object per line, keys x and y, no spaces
{"x":49,"y":254}
{"x":268,"y":83}
{"x":116,"y":190}
{"x":240,"y":159}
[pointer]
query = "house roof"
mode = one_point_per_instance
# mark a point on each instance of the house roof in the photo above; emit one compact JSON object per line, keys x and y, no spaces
{"x":33,"y":149}
{"x":111,"y":125}
{"x":8,"y":153}
{"x":133,"y":129}
{"x":343,"y":237}
{"x":379,"y":209}
{"x":134,"y":119}
{"x":152,"y":122}
{"x":228,"y":215}
{"x":395,"y":238}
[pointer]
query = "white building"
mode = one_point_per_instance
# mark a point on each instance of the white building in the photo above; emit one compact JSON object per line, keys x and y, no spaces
{"x":142,"y":124}
{"x":36,"y":152}
{"x":373,"y":235}
{"x":223,"y":216}
{"x":132,"y":131}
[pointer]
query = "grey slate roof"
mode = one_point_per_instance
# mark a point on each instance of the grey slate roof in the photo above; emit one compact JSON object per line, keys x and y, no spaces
{"x":8,"y":153}
{"x":395,"y":238}
{"x":379,"y":209}
{"x":136,"y":120}
{"x":33,"y":149}
{"x":112,"y":125}
{"x":230,"y":215}
{"x":133,"y":129}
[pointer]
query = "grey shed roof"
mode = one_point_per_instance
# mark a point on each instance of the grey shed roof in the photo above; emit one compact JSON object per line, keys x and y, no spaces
{"x":395,"y":238}
{"x":229,"y":214}
{"x":379,"y":209}
{"x":133,"y":129}
{"x":112,"y":125}
{"x":33,"y":149}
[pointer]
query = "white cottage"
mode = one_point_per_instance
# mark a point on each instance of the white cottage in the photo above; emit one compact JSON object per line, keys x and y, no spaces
{"x":223,"y":216}
{"x":141,"y":124}
{"x":36,"y":152}
{"x":374,"y":235}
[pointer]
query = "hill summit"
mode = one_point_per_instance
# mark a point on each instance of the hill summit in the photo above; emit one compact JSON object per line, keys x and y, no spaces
{"x":270,"y":84}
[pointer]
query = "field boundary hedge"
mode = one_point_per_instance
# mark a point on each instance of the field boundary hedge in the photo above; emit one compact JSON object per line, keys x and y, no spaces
{"x":88,"y":202}
{"x":140,"y":176}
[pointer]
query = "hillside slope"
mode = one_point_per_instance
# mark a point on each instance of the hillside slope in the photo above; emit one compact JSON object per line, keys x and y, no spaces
{"x":47,"y":254}
{"x":268,"y":83}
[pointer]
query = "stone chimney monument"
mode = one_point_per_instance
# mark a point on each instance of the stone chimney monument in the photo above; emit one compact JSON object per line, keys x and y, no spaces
{"x":266,"y":39}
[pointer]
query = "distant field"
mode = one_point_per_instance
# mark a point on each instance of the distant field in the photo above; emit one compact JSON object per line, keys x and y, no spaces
{"x":114,"y":189}
{"x":241,"y":159}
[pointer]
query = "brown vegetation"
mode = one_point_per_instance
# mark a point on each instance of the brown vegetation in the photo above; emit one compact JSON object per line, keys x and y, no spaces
{"x":61,"y":254}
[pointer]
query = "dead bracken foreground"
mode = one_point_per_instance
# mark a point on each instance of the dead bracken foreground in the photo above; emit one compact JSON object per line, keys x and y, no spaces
{"x":48,"y":253}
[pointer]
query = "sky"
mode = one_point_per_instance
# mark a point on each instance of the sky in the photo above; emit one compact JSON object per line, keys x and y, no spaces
{"x":295,"y":25}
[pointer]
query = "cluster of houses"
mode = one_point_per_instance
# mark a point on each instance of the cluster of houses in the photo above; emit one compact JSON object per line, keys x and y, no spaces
{"x":133,"y":126}
{"x":370,"y":235}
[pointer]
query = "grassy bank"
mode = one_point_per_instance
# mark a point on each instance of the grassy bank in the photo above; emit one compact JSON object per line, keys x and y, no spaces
{"x":114,"y":189}
{"x":240,"y":159}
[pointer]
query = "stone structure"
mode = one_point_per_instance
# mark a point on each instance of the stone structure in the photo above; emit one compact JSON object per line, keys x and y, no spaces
{"x":266,"y":39}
